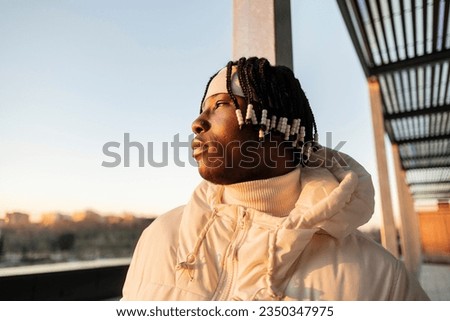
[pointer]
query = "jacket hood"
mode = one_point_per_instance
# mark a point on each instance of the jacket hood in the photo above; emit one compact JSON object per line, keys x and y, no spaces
{"x":337,"y":195}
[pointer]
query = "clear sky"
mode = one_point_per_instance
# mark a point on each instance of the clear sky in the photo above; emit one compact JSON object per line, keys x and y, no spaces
{"x":75,"y":75}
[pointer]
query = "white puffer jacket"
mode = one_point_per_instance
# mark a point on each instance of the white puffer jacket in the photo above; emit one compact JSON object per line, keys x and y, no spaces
{"x":207,"y":250}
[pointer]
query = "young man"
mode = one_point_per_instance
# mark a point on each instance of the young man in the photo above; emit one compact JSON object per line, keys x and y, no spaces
{"x":276,"y":215}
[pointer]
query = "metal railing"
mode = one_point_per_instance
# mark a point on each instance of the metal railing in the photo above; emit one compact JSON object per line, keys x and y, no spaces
{"x":72,"y":281}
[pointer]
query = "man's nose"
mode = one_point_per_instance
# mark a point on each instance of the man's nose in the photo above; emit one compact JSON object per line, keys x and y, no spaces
{"x":200,"y":125}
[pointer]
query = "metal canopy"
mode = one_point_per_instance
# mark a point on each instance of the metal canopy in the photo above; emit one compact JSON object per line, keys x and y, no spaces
{"x":405,"y":45}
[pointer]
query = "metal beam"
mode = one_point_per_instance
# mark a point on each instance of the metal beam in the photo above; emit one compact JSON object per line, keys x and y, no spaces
{"x":374,"y":30}
{"x":413,"y":11}
{"x":427,"y":59}
{"x":422,"y":167}
{"x":428,"y":158}
{"x":429,"y":183}
{"x":418,"y":112}
{"x":432,"y":196}
{"x":383,"y":30}
{"x":345,"y":12}
{"x":422,"y":139}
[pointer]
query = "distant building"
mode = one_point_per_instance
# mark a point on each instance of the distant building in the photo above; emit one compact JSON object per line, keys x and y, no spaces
{"x":17,"y":218}
{"x":113,"y":219}
{"x":88,"y":216}
{"x":128,"y":217}
{"x":54,"y":218}
{"x":434,"y":227}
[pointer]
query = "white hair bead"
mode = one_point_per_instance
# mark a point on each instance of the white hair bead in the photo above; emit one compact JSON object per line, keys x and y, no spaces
{"x":287,"y":132}
{"x":273,"y":122}
{"x":283,"y":122}
{"x":254,"y":119}
{"x":302,"y":133}
{"x":285,"y":125}
{"x":263,"y":117}
{"x":248,"y":115}
{"x":240,"y":119}
{"x":292,"y":129}
{"x":267,"y":126}
{"x":297,"y":128}
{"x":308,"y":151}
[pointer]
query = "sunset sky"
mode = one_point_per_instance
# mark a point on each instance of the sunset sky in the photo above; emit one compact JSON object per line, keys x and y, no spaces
{"x":75,"y":75}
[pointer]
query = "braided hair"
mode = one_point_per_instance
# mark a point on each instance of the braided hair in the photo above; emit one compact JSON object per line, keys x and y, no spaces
{"x":275,"y":89}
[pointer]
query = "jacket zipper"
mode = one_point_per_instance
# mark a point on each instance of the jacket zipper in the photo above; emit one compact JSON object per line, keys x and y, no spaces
{"x":223,"y":290}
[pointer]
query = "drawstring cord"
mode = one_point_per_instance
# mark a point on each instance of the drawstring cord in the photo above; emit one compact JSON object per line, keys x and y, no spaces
{"x":188,"y":264}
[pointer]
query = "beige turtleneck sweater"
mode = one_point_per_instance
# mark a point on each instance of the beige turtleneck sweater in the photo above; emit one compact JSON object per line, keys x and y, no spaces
{"x":276,"y":195}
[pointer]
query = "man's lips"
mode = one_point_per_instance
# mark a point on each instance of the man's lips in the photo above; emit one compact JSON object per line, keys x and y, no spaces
{"x":198,"y":147}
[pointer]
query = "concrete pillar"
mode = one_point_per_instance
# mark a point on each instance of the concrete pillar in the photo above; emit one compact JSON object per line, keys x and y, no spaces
{"x":409,"y":230}
{"x":263,"y":28}
{"x":388,"y":230}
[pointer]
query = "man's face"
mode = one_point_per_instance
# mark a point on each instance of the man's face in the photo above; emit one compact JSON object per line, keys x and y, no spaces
{"x":226,"y":154}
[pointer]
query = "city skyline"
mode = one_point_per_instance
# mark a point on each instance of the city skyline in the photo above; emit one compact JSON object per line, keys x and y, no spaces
{"x":53,"y":217}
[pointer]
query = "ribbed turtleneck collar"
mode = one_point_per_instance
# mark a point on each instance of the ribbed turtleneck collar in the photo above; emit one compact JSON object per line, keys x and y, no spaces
{"x":276,"y":196}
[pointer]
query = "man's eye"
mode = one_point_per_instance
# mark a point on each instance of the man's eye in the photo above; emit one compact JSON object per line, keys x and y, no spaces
{"x":221,"y":103}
